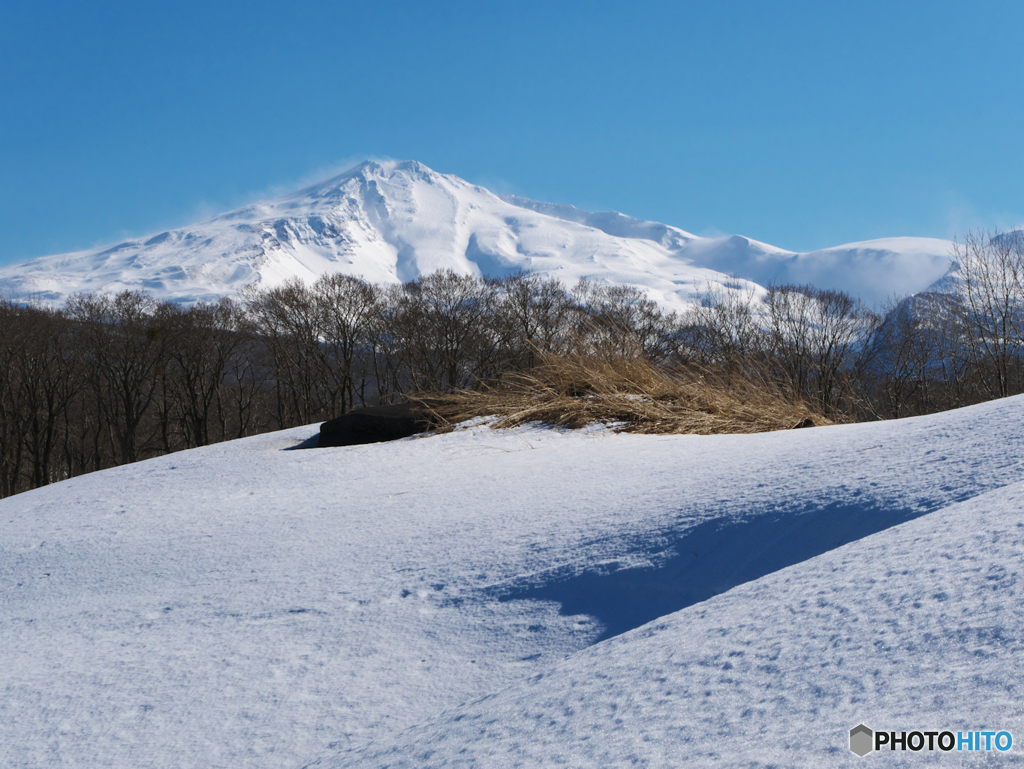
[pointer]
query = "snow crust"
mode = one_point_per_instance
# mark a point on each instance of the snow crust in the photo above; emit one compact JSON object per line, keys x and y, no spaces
{"x":528,"y":597}
{"x":396,"y":221}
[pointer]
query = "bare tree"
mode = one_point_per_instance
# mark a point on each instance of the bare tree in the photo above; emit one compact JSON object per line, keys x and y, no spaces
{"x":623,"y":321}
{"x":288,"y":318}
{"x":13,"y":412}
{"x":919,"y":359}
{"x":123,"y":350}
{"x":988,"y":287}
{"x":443,"y":324}
{"x":347,"y":307}
{"x":49,"y":382}
{"x":724,"y":328}
{"x":818,"y":337}
{"x":202,"y":340}
{"x":537,"y":315}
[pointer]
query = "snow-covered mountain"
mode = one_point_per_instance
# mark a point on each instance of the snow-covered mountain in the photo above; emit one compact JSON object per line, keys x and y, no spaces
{"x":874,"y":270}
{"x":531,"y":597}
{"x":396,"y":221}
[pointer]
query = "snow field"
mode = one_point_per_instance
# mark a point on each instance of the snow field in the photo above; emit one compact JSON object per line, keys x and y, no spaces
{"x":248,"y":605}
{"x":919,"y":627}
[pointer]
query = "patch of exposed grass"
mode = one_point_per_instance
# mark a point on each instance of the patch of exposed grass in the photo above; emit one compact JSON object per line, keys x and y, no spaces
{"x":578,"y":390}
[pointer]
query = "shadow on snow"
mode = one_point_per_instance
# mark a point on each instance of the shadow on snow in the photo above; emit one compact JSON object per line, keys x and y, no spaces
{"x":705,"y":560}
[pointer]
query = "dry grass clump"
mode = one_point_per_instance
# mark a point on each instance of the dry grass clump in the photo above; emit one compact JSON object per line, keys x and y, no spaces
{"x":577,"y":390}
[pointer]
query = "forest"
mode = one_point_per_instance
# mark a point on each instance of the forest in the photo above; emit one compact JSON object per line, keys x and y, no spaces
{"x":109,"y":379}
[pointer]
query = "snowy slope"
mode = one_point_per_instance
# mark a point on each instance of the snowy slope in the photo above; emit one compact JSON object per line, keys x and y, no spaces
{"x":246,"y":605}
{"x":920,"y":627}
{"x":874,"y":270}
{"x":396,"y":221}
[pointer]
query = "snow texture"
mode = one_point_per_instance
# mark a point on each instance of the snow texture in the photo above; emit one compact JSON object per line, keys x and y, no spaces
{"x":531,"y":597}
{"x":397,"y":221}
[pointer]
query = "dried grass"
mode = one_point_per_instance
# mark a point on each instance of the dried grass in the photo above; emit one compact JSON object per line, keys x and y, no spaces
{"x":577,"y":390}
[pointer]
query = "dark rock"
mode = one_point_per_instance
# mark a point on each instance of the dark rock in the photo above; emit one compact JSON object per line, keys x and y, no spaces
{"x":377,"y":424}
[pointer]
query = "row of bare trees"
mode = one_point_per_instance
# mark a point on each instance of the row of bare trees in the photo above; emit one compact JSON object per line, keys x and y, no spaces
{"x":929,"y":352}
{"x":111,"y":379}
{"x":961,"y":345}
{"x":812,"y":342}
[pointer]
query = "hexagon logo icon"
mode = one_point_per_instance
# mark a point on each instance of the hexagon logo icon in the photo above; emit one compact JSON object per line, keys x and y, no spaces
{"x":861,"y":740}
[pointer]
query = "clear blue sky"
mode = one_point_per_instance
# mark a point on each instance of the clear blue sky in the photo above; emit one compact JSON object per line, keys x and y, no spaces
{"x":800,"y":124}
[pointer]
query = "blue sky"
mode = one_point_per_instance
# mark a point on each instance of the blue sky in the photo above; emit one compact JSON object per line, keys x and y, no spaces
{"x":801,"y":124}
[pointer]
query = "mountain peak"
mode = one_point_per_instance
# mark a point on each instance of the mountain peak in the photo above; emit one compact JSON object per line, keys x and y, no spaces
{"x":391,"y":221}
{"x":366,"y":172}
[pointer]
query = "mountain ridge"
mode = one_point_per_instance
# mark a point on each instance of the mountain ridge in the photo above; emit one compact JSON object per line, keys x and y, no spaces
{"x":395,"y":221}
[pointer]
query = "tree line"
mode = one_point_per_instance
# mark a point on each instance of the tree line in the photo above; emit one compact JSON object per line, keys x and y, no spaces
{"x":111,"y":379}
{"x":920,"y":354}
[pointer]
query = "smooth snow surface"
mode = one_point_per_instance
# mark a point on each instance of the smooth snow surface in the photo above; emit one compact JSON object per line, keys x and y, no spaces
{"x":392,"y":222}
{"x":874,"y":270}
{"x":436,"y":601}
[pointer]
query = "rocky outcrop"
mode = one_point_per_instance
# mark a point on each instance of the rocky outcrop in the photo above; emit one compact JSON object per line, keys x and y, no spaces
{"x":377,"y":424}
